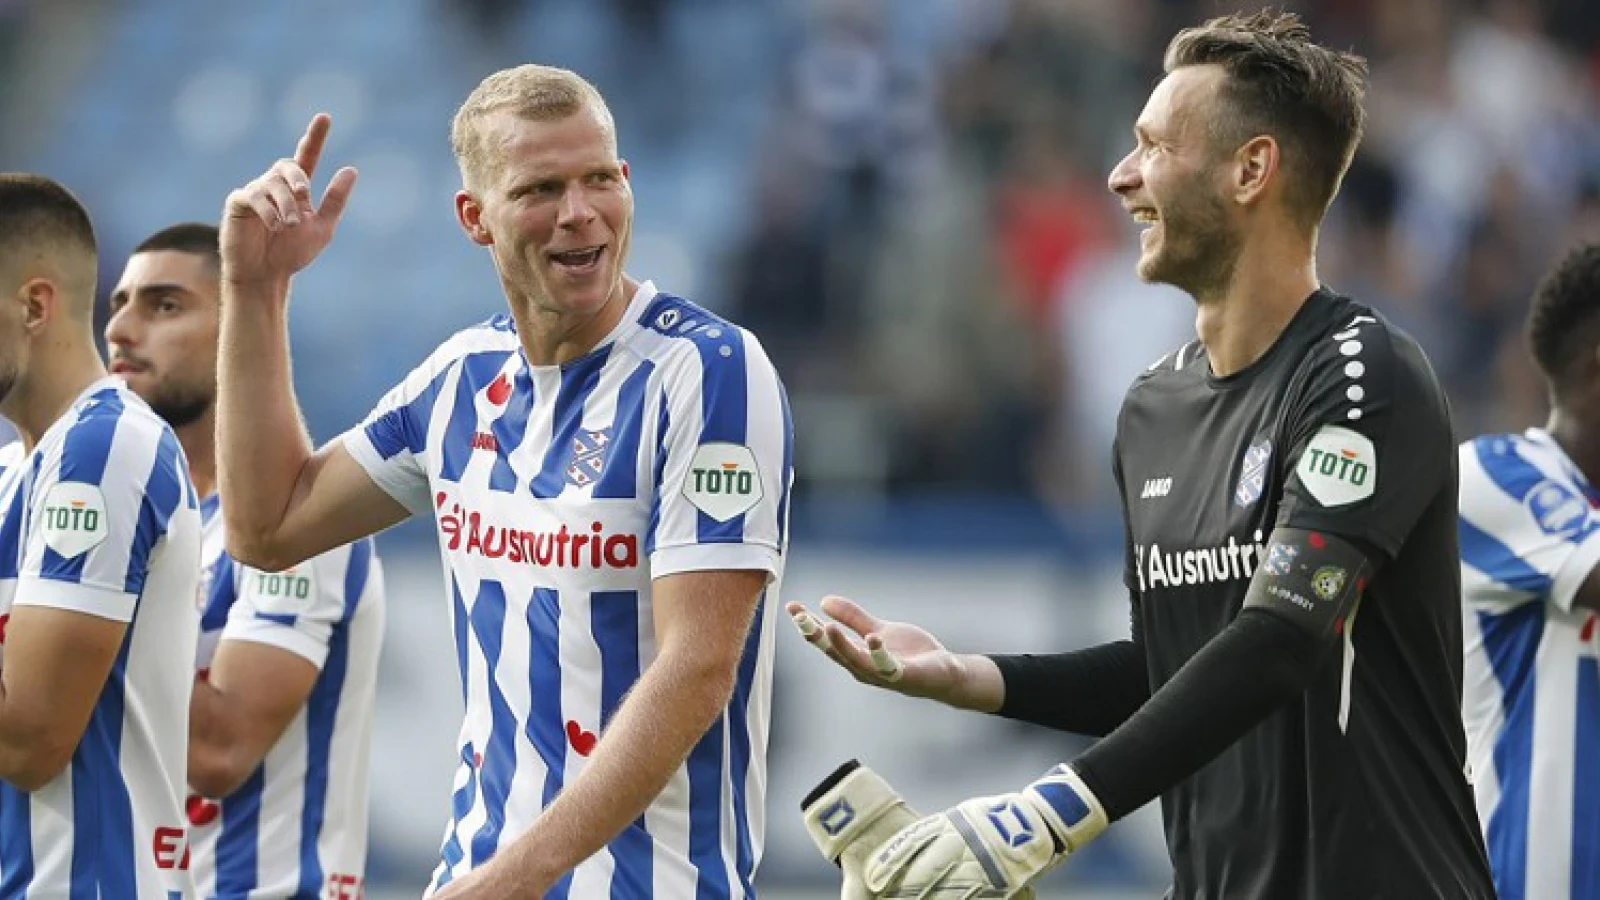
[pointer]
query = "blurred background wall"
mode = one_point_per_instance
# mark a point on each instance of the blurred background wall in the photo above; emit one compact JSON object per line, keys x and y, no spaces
{"x":905,"y":200}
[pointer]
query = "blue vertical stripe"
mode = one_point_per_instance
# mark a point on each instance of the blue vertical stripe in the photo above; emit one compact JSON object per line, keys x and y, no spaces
{"x":621,"y":475}
{"x":500,"y":752}
{"x":478,"y":371}
{"x":578,"y":380}
{"x":16,"y":841}
{"x":739,"y":745}
{"x":102,"y":814}
{"x":237,"y":858}
{"x":460,"y":805}
{"x":163,"y":491}
{"x":1511,"y":641}
{"x":1494,"y":559}
{"x":663,"y":423}
{"x":614,"y":620}
{"x":510,"y":429}
{"x":546,"y":727}
{"x":84,"y":451}
{"x":458,"y":626}
{"x":705,"y":813}
{"x":724,"y":411}
{"x":221,"y":593}
{"x":1586,"y":786}
{"x":11,"y":547}
{"x":322,"y":711}
{"x":405,"y":428}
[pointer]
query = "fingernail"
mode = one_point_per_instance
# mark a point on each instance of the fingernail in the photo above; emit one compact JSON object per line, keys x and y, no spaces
{"x":807,"y":625}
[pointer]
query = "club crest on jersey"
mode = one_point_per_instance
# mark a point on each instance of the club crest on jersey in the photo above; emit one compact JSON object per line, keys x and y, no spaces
{"x":1339,"y":466}
{"x":723,"y":480}
{"x":588,"y":457}
{"x":74,"y":518}
{"x":1253,"y":473}
{"x":1559,"y":511}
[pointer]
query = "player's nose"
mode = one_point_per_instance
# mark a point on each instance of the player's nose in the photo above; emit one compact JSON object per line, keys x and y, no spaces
{"x":575,"y":209}
{"x":1124,"y":175}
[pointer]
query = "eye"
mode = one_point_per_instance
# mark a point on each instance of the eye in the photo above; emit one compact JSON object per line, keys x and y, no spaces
{"x":167,"y":305}
{"x":602,"y":178}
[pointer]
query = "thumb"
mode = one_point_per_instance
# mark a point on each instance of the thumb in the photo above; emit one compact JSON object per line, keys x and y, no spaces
{"x":337,"y":195}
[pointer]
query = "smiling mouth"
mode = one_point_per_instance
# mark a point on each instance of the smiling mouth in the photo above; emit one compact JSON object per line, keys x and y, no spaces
{"x":580,"y":261}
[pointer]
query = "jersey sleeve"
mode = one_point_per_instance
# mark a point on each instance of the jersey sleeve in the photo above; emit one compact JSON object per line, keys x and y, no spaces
{"x":1525,"y":534}
{"x":299,"y":609}
{"x":724,"y":461}
{"x":1369,"y":437}
{"x":99,"y":512}
{"x":392,"y":444}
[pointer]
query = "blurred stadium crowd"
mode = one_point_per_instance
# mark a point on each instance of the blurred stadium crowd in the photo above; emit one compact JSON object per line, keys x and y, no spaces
{"x":904,"y":199}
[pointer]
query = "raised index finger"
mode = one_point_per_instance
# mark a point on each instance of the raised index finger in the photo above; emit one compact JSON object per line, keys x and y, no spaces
{"x":309,"y":150}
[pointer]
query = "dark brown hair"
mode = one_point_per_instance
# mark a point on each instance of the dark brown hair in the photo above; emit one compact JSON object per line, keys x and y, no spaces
{"x":1305,"y":96}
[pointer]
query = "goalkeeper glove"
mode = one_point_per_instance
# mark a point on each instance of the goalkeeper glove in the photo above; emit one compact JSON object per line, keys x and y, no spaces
{"x":989,"y":847}
{"x":849,"y":815}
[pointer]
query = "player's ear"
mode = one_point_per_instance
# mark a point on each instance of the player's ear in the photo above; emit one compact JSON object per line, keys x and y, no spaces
{"x":1255,"y":164}
{"x":469,"y":212}
{"x":40,"y":299}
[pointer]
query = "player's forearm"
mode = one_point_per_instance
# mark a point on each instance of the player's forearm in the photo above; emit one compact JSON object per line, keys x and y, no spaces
{"x":666,"y":713}
{"x":29,"y":756}
{"x":1089,"y":691}
{"x":262,"y":446}
{"x":217,"y":762}
{"x":1257,"y":664}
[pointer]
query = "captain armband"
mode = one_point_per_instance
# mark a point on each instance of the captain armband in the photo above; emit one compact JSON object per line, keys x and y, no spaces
{"x":1310,"y":578}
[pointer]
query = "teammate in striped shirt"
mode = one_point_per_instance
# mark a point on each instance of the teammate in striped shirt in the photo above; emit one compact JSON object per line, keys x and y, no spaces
{"x":1530,"y":541}
{"x":281,"y":720}
{"x":99,"y":539}
{"x":608,"y":468}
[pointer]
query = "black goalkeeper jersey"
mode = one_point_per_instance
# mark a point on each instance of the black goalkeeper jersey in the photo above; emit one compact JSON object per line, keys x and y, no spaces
{"x":1357,"y":789}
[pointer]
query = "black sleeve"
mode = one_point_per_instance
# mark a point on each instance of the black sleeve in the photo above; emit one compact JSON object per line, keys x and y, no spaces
{"x":1257,"y":663}
{"x":1370,"y":438}
{"x":1088,"y":691}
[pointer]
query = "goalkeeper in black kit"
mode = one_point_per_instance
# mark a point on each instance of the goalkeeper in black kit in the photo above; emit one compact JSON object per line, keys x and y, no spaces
{"x":1291,"y":687}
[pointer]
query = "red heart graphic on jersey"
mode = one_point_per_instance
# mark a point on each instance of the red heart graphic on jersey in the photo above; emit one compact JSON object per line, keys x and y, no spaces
{"x":201,"y":811}
{"x":500,"y":391}
{"x":582,"y":741}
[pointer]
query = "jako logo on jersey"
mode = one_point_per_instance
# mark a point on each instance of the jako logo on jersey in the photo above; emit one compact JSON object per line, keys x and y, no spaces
{"x":73,"y":518}
{"x":483,"y":440}
{"x":465,"y":529}
{"x":1339,"y":466}
{"x":1557,"y":510}
{"x":588,"y":457}
{"x":1253,"y":473}
{"x":1156,"y":487}
{"x":723,"y":480}
{"x":1201,"y":565}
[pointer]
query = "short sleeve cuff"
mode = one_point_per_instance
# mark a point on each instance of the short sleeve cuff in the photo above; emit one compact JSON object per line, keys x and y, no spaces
{"x":406,"y":490}
{"x":1564,"y":587}
{"x":275,"y":634}
{"x":107,"y":603}
{"x":712,"y":557}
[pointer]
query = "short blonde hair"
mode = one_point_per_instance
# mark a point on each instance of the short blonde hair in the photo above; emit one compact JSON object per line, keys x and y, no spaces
{"x":529,"y":91}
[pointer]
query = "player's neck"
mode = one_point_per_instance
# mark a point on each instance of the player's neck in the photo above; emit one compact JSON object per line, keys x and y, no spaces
{"x":199,"y":442}
{"x":552,"y":339}
{"x":1242,"y":319}
{"x":62,"y":368}
{"x":1577,"y":433}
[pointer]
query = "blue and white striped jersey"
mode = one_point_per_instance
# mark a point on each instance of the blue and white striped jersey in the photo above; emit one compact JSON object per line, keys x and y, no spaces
{"x":559,"y":493}
{"x":297,"y":827}
{"x":1531,"y":703}
{"x":101,"y":519}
